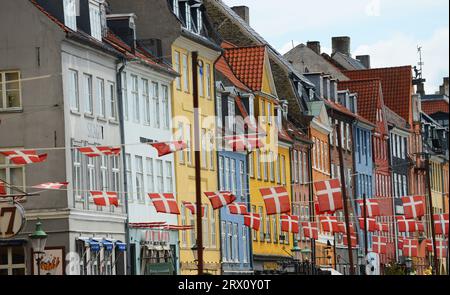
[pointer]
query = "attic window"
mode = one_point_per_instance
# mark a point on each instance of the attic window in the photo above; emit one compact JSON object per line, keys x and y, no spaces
{"x":176,"y":7}
{"x":70,"y":14}
{"x":188,"y":17}
{"x":95,"y":19}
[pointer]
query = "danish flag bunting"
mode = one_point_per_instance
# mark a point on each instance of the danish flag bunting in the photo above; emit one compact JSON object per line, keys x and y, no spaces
{"x":342,"y":228}
{"x":410,"y":247}
{"x":253,"y":221}
{"x":193,"y":207}
{"x":105,"y":198}
{"x":370,"y":226}
{"x":441,"y":223}
{"x":353,"y":240}
{"x":2,"y":188}
{"x":220,"y":199}
{"x":441,"y":248}
{"x":289,"y":223}
{"x":51,"y":185}
{"x":372,"y":208}
{"x":414,"y":207}
{"x":178,"y":227}
{"x":276,"y":200}
{"x":420,"y":227}
{"x":165,"y":148}
{"x":329,"y":224}
{"x":406,"y":225}
{"x":310,"y":230}
{"x":329,"y":195}
{"x":429,"y":245}
{"x":382,"y":227}
{"x":316,"y":207}
{"x":97,"y":151}
{"x":242,"y":143}
{"x":379,"y":244}
{"x":238,"y":208}
{"x":400,"y":243}
{"x":165,"y":203}
{"x":24,"y":157}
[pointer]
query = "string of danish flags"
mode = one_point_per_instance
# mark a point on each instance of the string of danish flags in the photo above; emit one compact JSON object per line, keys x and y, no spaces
{"x":276,"y":200}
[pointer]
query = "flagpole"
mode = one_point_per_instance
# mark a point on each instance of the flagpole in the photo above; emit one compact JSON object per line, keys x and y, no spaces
{"x":198,"y":188}
{"x":430,"y":200}
{"x":345,"y":201}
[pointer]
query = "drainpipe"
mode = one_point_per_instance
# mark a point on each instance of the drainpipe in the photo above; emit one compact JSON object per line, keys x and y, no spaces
{"x":311,"y":198}
{"x":119,"y":70}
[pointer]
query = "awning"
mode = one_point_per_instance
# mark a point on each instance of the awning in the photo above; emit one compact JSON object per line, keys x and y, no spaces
{"x":107,"y":245}
{"x":332,"y":270}
{"x":94,"y":245}
{"x":122,"y":247}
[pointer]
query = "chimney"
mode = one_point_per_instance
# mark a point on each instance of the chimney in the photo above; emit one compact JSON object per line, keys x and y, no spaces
{"x":443,"y":89}
{"x":341,"y":45}
{"x":243,"y":12}
{"x":365,"y":60}
{"x":124,"y":26}
{"x":314,"y":46}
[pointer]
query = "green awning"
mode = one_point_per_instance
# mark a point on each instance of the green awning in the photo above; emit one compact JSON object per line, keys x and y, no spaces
{"x":159,"y":268}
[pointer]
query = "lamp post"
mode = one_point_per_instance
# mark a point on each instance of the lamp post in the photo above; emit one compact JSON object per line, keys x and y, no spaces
{"x":327,"y":251}
{"x":295,"y":250}
{"x":305,"y":258}
{"x":361,"y":265}
{"x":408,"y":264}
{"x":38,"y":241}
{"x":195,"y":250}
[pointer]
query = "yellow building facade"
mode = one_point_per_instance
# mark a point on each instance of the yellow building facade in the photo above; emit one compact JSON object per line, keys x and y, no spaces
{"x":183,"y":112}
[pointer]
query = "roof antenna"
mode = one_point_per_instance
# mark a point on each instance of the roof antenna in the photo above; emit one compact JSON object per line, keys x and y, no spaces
{"x":419,"y":70}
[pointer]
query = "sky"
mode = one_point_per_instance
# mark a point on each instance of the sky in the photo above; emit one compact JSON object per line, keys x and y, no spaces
{"x":389,"y":31}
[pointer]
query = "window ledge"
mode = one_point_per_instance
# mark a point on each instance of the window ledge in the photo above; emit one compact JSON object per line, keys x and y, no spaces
{"x":11,"y":110}
{"x":75,"y":112}
{"x":102,"y":119}
{"x":113,"y":121}
{"x":89,"y":116}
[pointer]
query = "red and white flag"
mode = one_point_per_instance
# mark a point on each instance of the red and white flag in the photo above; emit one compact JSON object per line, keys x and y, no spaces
{"x":2,"y":188}
{"x":414,"y":207}
{"x":353,"y":239}
{"x":178,"y":227}
{"x":276,"y":200}
{"x":342,"y":228}
{"x":382,"y":227}
{"x":165,"y":203}
{"x":253,"y":221}
{"x":289,"y":223}
{"x":329,"y":224}
{"x":310,"y":230}
{"x":193,"y":207}
{"x":420,"y":227}
{"x":441,"y":223}
{"x":165,"y":148}
{"x":105,"y":198}
{"x":370,"y":224}
{"x":379,"y":244}
{"x":220,"y":199}
{"x":400,"y":242}
{"x":317,"y":210}
{"x":372,"y":208}
{"x":429,"y":245}
{"x":242,"y":143}
{"x":51,"y":185}
{"x":329,"y":195}
{"x":406,"y":225}
{"x":19,"y":157}
{"x":97,"y":151}
{"x":410,"y":247}
{"x":238,"y":208}
{"x":441,"y":248}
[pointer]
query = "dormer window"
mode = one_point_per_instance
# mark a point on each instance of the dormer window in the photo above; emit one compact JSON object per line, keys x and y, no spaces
{"x":199,"y":20}
{"x":176,"y":7}
{"x":279,"y":117}
{"x":70,"y":14}
{"x":188,"y":17}
{"x":251,"y":108}
{"x":95,"y":19}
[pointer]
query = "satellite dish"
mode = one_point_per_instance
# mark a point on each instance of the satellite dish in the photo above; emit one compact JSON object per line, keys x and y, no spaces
{"x":373,"y":264}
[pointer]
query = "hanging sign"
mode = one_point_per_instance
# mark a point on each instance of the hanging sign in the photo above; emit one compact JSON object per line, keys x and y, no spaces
{"x":12,"y":219}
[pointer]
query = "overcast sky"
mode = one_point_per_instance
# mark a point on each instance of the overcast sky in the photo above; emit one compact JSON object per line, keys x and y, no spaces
{"x":388,"y":30}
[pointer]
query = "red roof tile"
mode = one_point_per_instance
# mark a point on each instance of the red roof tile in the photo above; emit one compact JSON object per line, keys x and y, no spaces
{"x":397,"y":87}
{"x":369,"y":92}
{"x":431,"y":107}
{"x":248,"y":64}
{"x":223,"y":67}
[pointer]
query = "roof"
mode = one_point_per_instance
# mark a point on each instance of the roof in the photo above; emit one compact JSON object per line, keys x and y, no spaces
{"x":396,"y":83}
{"x":305,"y":60}
{"x":368,"y":90}
{"x":395,"y":120}
{"x":431,"y":107}
{"x":223,"y":67}
{"x":347,"y":62}
{"x":248,"y":64}
{"x":338,"y":107}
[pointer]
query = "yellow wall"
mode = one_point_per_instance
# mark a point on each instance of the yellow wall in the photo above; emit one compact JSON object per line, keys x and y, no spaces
{"x":182,"y":107}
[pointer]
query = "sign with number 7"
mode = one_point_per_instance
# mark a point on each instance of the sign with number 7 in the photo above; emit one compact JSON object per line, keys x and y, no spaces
{"x":12,"y":219}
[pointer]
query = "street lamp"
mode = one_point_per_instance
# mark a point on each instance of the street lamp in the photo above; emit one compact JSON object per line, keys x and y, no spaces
{"x":408,"y":264}
{"x":195,"y":251}
{"x":38,"y":241}
{"x":361,"y":264}
{"x":328,"y":249}
{"x":295,"y":250}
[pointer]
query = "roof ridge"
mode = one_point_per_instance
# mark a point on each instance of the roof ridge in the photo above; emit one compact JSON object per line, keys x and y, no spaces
{"x":361,"y":80}
{"x":384,"y":68}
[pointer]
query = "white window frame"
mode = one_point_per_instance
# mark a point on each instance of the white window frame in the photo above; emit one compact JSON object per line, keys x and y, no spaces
{"x":126,"y":113}
{"x":111,"y":90}
{"x":73,"y":90}
{"x":95,"y":20}
{"x":146,"y":101}
{"x":101,"y":97}
{"x":139,"y":177}
{"x":70,"y":14}
{"x":165,"y":106}
{"x":150,"y":179}
{"x":88,"y":94}
{"x":185,"y":66}
{"x":135,"y":98}
{"x":156,"y":105}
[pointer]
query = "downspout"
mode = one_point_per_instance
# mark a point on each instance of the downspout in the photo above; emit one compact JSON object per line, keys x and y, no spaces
{"x":311,"y":198}
{"x":119,"y":71}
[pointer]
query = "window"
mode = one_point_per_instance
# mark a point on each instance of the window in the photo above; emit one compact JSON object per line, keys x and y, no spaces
{"x":348,"y":141}
{"x":169,"y":180}
{"x":275,"y":230}
{"x":159,"y":176}
{"x":242,"y":178}
{"x":268,"y":236}
{"x":221,"y":174}
{"x":254,"y":232}
{"x":300,"y":167}
{"x":128,"y":176}
{"x":251,"y":108}
{"x":139,"y":178}
{"x":235,"y":243}
{"x":244,"y":243}
{"x":73,"y":91}
{"x":135,"y":98}
{"x":176,"y":7}
{"x":405,"y":186}
{"x":305,"y":169}
{"x":146,"y":98}
{"x":271,"y":167}
{"x":229,"y":241}
{"x":227,"y":174}
{"x":115,"y":174}
{"x":70,"y":14}
{"x":125,"y":95}
{"x":278,"y":174}
{"x":188,"y":17}
{"x":77,"y":174}
{"x":180,"y":136}
{"x":176,"y":65}
{"x":231,"y":115}
{"x":91,"y":174}
{"x":165,"y":106}
{"x":219,"y":110}
{"x":149,"y":175}
{"x":205,"y":227}
{"x":266,"y":176}
{"x":283,"y":169}
{"x":156,"y":118}
{"x":223,"y":236}
{"x":189,"y":144}
{"x":12,"y":173}
{"x":294,"y":168}
{"x":101,"y":97}
{"x":258,"y":164}
{"x":211,"y":150}
{"x":203,"y":153}
{"x":95,"y":20}
{"x":269,"y":112}
{"x":201,"y":81}
{"x":193,"y":232}
{"x":208,"y":79}
{"x":12,"y":260}
{"x":263,"y":111}
{"x":233,"y":176}
{"x":261,"y":229}
{"x":251,"y":163}
{"x":88,"y":94}
{"x":185,"y":73}
{"x":213,"y":228}
{"x":314,"y":152}
{"x":112,"y":100}
{"x":199,"y":21}
{"x":103,"y":183}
